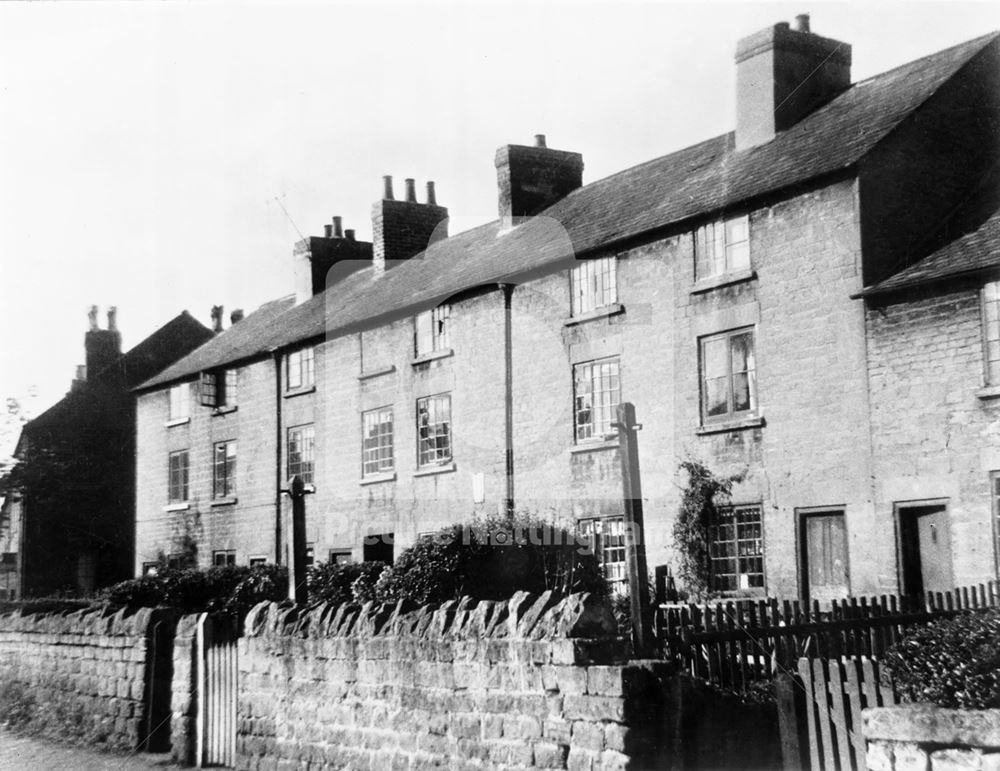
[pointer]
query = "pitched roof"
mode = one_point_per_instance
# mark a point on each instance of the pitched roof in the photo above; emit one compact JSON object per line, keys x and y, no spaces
{"x":693,"y":182}
{"x":974,"y":252}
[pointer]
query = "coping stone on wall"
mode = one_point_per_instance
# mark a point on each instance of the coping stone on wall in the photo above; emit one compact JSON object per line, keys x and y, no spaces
{"x":927,"y":724}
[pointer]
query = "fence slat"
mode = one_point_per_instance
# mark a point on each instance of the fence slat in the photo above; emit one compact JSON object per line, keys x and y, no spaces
{"x":822,"y":698}
{"x":839,"y":718}
{"x":852,"y":687}
{"x":806,"y":675}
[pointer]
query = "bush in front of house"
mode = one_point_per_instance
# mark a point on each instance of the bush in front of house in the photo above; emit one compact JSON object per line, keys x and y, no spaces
{"x":232,"y":589}
{"x":339,"y":582}
{"x":952,"y":662}
{"x":490,"y":560}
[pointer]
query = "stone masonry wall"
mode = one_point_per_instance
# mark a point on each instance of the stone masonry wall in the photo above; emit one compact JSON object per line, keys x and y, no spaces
{"x":921,"y":737}
{"x":525,"y":683}
{"x":85,"y":675}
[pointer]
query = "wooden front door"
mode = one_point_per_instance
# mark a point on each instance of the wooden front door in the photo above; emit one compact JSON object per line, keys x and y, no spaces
{"x":925,"y":549}
{"x":824,"y":555}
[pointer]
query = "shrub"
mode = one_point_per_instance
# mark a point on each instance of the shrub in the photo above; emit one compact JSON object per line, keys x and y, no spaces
{"x":338,"y":582}
{"x":491,"y":560}
{"x":953,"y":662}
{"x":232,"y":589}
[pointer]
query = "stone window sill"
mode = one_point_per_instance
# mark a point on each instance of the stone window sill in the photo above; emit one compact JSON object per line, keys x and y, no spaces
{"x":224,"y":410}
{"x":989,"y":392}
{"x":177,"y":507}
{"x":726,"y":279}
{"x":289,"y":393}
{"x":177,"y":422}
{"x":427,"y":471}
{"x":757,"y":421}
{"x":224,"y":501}
{"x":598,"y":313}
{"x":377,"y":372}
{"x":594,"y":446}
{"x":374,"y":479}
{"x":423,"y":358}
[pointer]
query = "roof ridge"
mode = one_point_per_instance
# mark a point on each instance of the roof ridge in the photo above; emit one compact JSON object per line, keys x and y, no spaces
{"x":983,"y":39}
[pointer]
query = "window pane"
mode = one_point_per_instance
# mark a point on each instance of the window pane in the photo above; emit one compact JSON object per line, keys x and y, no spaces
{"x":295,"y":369}
{"x":714,"y":354}
{"x":716,"y":396}
{"x":434,"y":430}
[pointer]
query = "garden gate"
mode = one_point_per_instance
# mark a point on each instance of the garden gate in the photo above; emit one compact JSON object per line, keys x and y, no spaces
{"x":217,"y":684}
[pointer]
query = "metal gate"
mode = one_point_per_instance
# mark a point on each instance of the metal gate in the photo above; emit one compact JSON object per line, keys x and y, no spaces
{"x":217,"y":674}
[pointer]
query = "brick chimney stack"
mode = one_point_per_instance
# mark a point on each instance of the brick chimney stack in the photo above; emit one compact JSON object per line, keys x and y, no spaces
{"x":402,"y":229}
{"x":784,"y":74}
{"x":320,"y":261}
{"x":103,"y":346}
{"x":530,"y":179}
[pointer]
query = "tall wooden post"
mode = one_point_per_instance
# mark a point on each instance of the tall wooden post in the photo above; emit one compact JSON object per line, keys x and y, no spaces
{"x":297,"y":589}
{"x":635,"y":546}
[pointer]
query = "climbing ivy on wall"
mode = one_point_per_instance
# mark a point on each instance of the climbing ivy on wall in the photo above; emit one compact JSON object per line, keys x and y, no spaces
{"x":700,"y":499}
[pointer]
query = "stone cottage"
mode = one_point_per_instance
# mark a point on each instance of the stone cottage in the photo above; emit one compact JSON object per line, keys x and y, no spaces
{"x":761,"y":297}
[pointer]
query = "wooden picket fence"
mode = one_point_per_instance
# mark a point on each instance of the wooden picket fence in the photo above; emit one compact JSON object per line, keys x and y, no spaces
{"x":819,"y":711}
{"x":735,"y":644}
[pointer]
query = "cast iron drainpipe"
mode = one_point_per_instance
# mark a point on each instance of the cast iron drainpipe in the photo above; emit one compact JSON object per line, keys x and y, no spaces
{"x":276,"y":354}
{"x":508,"y":292}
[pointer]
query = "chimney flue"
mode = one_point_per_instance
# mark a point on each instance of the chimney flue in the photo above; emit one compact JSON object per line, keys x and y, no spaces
{"x":328,"y":231}
{"x":349,"y":234}
{"x":431,"y":196}
{"x":236,"y":316}
{"x":112,"y":318}
{"x":802,"y":22}
{"x":338,"y":229}
{"x":92,"y":316}
{"x":411,"y":191}
{"x":217,"y":318}
{"x":539,"y":140}
{"x":387,"y":188}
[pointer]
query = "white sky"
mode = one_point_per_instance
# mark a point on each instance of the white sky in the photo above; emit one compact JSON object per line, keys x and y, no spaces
{"x":144,"y":146}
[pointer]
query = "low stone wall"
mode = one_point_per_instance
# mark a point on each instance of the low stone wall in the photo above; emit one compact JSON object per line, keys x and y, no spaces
{"x":920,"y":737}
{"x":529,"y":683}
{"x":90,"y":675}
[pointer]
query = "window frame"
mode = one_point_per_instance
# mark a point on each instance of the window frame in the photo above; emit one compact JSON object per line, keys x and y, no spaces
{"x":186,"y":485}
{"x":228,"y":466}
{"x":736,"y":557}
{"x":179,"y":408}
{"x":218,"y":388}
{"x":301,"y":361}
{"x":995,"y":510}
{"x":342,"y":552}
{"x":731,"y":414}
{"x":304,"y":467}
{"x":228,"y":558}
{"x":444,"y":459}
{"x":593,"y":285}
{"x":438,"y":335}
{"x":378,"y":447}
{"x":716,"y":233}
{"x":617,"y":576}
{"x":594,"y":435}
{"x":990,"y":319}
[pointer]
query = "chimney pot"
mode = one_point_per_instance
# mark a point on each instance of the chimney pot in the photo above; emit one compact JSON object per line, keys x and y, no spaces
{"x":411,"y":191}
{"x":387,"y":188}
{"x":217,"y":318}
{"x":81,"y":372}
{"x":236,"y":316}
{"x":328,"y":231}
{"x":338,"y":229}
{"x":802,"y":22}
{"x":112,"y":318}
{"x":92,"y":316}
{"x":539,"y":140}
{"x":349,"y":234}
{"x":431,"y":196}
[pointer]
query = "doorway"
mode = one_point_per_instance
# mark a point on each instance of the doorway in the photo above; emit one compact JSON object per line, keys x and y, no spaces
{"x":924,"y":548}
{"x":823,"y":553}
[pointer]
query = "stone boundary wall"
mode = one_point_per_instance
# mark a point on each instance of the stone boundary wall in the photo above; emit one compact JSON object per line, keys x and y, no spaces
{"x":921,"y":737}
{"x":88,"y":675}
{"x":527,"y":683}
{"x":183,"y":692}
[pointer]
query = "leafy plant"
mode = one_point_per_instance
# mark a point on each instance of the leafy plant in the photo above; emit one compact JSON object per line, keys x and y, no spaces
{"x":492,"y":559}
{"x":339,"y":582}
{"x":692,"y":529}
{"x":953,"y":662}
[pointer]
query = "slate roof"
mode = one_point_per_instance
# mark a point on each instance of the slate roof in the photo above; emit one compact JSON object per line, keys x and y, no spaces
{"x":972,"y":253}
{"x":690,"y":183}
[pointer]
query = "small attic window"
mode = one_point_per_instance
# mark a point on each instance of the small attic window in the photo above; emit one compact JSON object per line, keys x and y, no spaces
{"x":722,"y":247}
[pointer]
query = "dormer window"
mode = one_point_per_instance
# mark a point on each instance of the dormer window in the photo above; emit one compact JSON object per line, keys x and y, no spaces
{"x":593,"y":285}
{"x":218,"y":388}
{"x":722,"y":247}
{"x":431,"y":330}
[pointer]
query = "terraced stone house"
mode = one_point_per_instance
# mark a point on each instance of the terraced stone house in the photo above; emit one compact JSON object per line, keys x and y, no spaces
{"x":809,"y":301}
